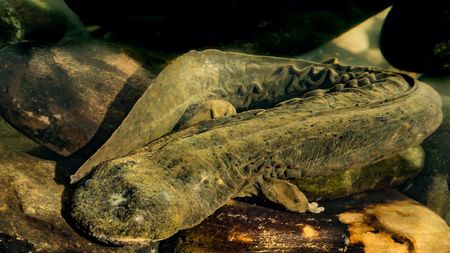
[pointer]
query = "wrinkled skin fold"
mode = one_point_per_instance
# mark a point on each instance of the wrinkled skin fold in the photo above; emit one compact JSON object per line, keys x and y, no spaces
{"x":245,"y":81}
{"x":333,"y":117}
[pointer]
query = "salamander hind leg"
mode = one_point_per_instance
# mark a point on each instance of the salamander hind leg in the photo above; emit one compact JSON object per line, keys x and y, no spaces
{"x":287,"y":194}
{"x":210,"y":109}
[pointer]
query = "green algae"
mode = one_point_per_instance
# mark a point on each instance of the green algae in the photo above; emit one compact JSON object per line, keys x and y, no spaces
{"x":11,"y":30}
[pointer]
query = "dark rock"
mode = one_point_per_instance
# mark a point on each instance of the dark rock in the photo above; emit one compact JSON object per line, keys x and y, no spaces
{"x":62,"y":96}
{"x":11,"y":30}
{"x":11,"y":244}
{"x":416,"y":36}
{"x":270,"y":27}
{"x":30,"y":20}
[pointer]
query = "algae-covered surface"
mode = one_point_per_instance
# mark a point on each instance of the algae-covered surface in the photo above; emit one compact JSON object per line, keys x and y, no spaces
{"x":11,"y":29}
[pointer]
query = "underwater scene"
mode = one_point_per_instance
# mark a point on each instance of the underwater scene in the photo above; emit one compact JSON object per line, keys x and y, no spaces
{"x":230,"y":126}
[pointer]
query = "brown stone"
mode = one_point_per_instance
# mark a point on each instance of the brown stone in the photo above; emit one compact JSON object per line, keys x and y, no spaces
{"x":62,"y":96}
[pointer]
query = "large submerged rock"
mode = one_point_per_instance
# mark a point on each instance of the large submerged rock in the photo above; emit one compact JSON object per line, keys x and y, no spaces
{"x":62,"y":96}
{"x":416,"y":36}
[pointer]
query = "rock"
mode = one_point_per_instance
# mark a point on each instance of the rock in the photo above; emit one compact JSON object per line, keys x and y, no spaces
{"x":383,"y":221}
{"x":30,"y":20}
{"x":13,"y":141}
{"x":416,"y":36}
{"x":11,"y":31}
{"x":33,"y":202}
{"x":273,"y":27}
{"x":438,"y":195}
{"x":63,"y":95}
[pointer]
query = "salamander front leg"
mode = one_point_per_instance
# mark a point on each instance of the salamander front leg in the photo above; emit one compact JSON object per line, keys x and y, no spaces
{"x":287,"y":194}
{"x":210,"y":109}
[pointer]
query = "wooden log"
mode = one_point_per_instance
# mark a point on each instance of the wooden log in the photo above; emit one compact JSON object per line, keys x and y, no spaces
{"x":382,"y":221}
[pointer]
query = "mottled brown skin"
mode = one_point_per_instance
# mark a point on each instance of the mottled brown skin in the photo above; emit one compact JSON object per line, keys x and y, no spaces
{"x":245,"y":81}
{"x":361,"y":116}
